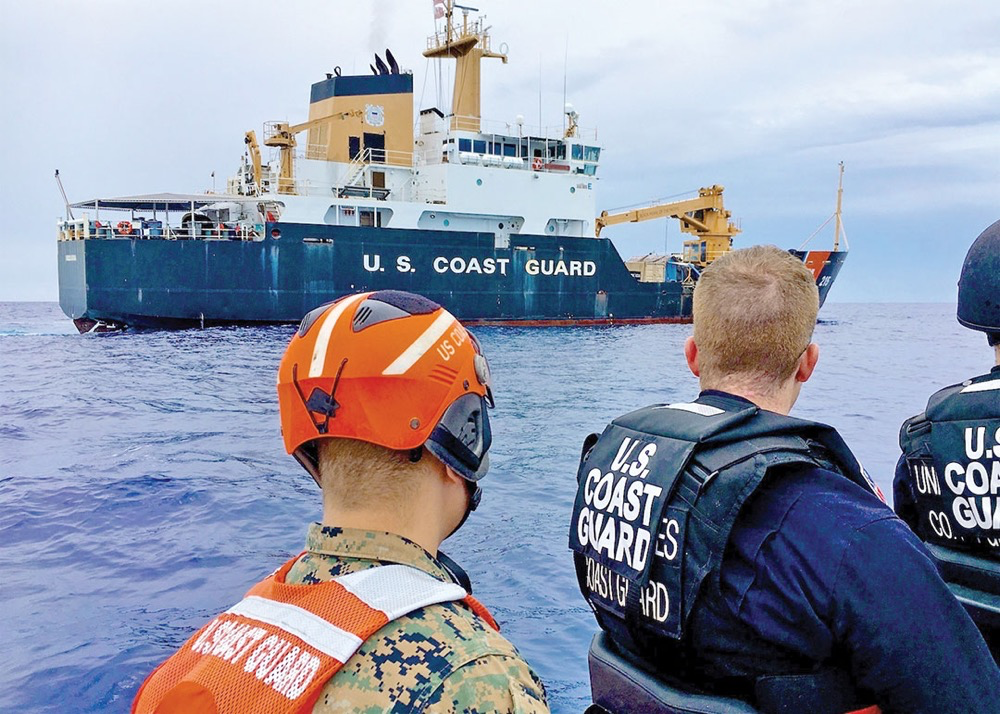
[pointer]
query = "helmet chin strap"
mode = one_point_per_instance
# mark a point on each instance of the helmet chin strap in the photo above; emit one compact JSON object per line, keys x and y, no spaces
{"x":474,"y":496}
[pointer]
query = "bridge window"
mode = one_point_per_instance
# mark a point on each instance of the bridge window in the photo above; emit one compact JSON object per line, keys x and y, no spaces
{"x":510,"y":150}
{"x":590,"y":169}
{"x":479,"y":146}
{"x":591,"y":153}
{"x":465,"y":144}
{"x":577,"y":152}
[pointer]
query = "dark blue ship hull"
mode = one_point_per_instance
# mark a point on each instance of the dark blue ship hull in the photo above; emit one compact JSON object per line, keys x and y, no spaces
{"x":153,"y":282}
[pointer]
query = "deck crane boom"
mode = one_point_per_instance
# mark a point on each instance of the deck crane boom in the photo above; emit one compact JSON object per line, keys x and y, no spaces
{"x":69,"y":210}
{"x":704,"y":217}
{"x":282,"y":135}
{"x":254,"y":148}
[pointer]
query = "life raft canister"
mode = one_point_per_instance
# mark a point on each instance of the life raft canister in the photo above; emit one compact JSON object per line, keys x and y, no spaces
{"x":277,"y":648}
{"x":952,"y":454}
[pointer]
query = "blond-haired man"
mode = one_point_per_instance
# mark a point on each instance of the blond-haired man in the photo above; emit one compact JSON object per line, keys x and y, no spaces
{"x":742,"y":552}
{"x":383,"y":399}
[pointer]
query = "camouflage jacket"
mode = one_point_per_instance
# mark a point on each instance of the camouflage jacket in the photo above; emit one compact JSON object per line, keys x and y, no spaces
{"x":439,"y":659}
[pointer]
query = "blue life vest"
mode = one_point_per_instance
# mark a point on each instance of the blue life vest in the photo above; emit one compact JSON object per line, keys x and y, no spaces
{"x":952,"y":478}
{"x":658,"y":494}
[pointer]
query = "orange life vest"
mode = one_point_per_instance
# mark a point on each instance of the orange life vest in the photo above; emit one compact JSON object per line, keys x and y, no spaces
{"x":276,"y":649}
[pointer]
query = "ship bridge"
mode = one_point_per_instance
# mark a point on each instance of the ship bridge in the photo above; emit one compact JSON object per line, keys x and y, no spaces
{"x":533,"y":150}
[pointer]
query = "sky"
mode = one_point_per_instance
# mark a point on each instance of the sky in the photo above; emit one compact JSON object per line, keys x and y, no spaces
{"x":764,"y":97}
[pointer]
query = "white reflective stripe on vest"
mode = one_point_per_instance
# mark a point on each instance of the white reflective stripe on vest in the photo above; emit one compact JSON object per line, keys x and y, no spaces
{"x":703,"y":409}
{"x":983,"y":386}
{"x":398,"y":590}
{"x":307,"y":626}
{"x":421,"y":345}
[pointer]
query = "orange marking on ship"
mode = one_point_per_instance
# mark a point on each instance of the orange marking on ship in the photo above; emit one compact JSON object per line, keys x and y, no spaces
{"x":816,"y":260}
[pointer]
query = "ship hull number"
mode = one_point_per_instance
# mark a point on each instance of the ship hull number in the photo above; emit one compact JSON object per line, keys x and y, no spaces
{"x":486,"y":266}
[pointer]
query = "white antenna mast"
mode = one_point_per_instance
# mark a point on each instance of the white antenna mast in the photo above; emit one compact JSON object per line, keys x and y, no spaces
{"x":565,"y":72}
{"x":838,"y":226}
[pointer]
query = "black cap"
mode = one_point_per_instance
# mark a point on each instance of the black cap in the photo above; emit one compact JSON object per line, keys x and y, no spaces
{"x":979,"y":285}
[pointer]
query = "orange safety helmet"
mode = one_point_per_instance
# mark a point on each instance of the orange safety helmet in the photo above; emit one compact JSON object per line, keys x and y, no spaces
{"x":391,"y":368}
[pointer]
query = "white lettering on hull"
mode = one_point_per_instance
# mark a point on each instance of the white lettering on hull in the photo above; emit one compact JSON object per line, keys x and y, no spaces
{"x":458,"y":265}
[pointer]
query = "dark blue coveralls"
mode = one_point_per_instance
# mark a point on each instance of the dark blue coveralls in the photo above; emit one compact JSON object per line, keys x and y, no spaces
{"x":818,"y":569}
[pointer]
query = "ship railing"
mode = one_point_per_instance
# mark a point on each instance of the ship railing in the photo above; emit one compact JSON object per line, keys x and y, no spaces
{"x":475,"y":27}
{"x":215,"y":231}
{"x":351,"y":179}
{"x":511,"y":129}
{"x":139,"y":229}
{"x":75,"y":229}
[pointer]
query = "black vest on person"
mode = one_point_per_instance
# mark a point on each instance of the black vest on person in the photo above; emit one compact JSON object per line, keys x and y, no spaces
{"x":952,"y":479}
{"x":658,"y":494}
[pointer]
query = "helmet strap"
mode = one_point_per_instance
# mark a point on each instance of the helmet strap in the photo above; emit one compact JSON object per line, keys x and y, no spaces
{"x":456,"y":571}
{"x":475,"y":495}
{"x":319,"y":402}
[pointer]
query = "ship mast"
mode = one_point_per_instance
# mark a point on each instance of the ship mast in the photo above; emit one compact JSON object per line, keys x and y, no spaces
{"x":467,"y":45}
{"x":840,"y":199}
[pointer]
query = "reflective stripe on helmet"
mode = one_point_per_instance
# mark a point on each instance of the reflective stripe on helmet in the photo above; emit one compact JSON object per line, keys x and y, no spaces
{"x":421,"y":345}
{"x":326,"y":330}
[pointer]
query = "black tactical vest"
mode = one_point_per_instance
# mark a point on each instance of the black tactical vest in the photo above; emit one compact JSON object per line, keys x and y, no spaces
{"x":952,"y":454}
{"x":658,"y":494}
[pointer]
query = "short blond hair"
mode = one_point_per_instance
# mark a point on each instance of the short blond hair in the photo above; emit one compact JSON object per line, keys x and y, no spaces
{"x":754,"y":314}
{"x":355,"y":474}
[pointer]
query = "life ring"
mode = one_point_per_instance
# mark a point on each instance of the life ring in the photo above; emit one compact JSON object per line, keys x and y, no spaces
{"x":536,"y":163}
{"x":124,"y":228}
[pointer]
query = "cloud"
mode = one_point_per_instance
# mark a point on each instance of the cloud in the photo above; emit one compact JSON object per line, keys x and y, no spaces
{"x":763,"y":96}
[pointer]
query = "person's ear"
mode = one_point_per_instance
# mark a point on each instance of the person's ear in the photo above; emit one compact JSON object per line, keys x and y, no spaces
{"x":452,"y":475}
{"x":691,"y":355}
{"x":807,"y":363}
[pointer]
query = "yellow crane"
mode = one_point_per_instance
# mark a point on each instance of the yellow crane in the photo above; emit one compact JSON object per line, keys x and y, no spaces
{"x":704,"y":217}
{"x":282,"y":135}
{"x":254,"y":148}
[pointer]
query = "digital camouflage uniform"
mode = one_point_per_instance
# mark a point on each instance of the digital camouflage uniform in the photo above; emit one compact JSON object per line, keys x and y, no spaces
{"x":438,"y":659}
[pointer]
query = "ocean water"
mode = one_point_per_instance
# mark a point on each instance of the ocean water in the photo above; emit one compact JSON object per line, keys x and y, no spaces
{"x":144,"y":488}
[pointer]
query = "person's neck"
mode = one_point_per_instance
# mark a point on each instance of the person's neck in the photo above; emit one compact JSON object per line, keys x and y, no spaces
{"x":778,"y":400}
{"x":422,"y":531}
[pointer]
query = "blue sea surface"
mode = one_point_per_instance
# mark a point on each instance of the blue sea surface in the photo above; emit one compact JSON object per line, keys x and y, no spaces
{"x":144,"y":486}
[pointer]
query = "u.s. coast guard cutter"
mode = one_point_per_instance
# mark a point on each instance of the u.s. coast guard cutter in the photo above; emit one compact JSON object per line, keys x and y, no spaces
{"x":495,"y":221}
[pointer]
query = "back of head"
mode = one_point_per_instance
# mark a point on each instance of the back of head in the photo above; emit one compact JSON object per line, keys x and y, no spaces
{"x":754,"y":314}
{"x":979,"y":285}
{"x":356,"y":474}
{"x":376,"y":379}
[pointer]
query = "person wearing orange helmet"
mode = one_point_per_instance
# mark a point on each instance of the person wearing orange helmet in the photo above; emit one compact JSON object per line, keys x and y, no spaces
{"x":383,"y":399}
